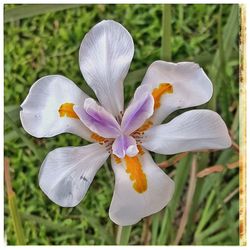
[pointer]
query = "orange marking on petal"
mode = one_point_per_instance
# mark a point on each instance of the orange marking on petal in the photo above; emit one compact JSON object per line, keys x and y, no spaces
{"x":117,"y":159}
{"x":134,"y":168}
{"x":66,"y":109}
{"x":163,"y":88}
{"x":98,"y":138}
{"x":141,"y":152}
{"x":147,"y":124}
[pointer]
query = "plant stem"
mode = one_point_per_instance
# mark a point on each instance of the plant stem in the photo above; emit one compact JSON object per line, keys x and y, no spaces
{"x":13,"y":206}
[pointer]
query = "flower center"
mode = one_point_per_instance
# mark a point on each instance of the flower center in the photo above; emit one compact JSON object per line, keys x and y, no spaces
{"x":122,"y":135}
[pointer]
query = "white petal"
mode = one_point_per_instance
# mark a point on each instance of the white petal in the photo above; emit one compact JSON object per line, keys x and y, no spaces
{"x":105,"y":55}
{"x":191,"y":86}
{"x":190,"y":131}
{"x":40,"y":115}
{"x":67,"y":173}
{"x":128,"y":206}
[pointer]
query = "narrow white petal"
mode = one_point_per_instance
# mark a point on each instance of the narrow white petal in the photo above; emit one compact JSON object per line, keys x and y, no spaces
{"x":67,"y":173}
{"x":191,"y":86}
{"x":128,"y":206}
{"x":97,"y":119}
{"x":105,"y":55}
{"x":190,"y":131}
{"x":124,"y":145}
{"x":40,"y":115}
{"x":138,"y":111}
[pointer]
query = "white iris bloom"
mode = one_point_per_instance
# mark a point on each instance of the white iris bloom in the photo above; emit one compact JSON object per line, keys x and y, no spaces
{"x":56,"y":105}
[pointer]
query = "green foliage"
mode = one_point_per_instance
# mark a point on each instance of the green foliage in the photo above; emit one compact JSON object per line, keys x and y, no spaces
{"x":41,"y":41}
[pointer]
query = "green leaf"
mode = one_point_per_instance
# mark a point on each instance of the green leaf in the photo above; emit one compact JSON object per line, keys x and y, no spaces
{"x":29,"y":10}
{"x":166,"y":33}
{"x":123,"y":235}
{"x":27,"y":141}
{"x":135,"y":76}
{"x":230,"y":33}
{"x":181,"y":175}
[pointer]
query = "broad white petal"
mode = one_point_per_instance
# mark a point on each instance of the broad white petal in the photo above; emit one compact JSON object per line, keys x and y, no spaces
{"x":67,"y":173}
{"x":105,"y":55}
{"x":191,"y":86}
{"x":190,"y":131}
{"x":129,"y":206}
{"x":40,"y":115}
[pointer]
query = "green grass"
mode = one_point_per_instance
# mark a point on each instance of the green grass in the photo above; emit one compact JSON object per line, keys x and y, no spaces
{"x":42,"y":41}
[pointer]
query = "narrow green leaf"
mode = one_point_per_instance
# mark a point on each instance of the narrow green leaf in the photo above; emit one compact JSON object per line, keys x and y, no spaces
{"x":16,"y":220}
{"x":17,"y":223}
{"x":202,"y":162}
{"x":13,"y":112}
{"x":27,"y":141}
{"x":29,"y":10}
{"x":123,"y":235}
{"x":217,"y":238}
{"x":155,"y":227}
{"x":205,"y":214}
{"x":230,"y":32}
{"x":181,"y":175}
{"x":166,"y":33}
{"x":135,"y":76}
{"x":217,"y":225}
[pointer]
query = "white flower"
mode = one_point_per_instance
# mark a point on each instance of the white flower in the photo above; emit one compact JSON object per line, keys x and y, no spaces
{"x":56,"y":105}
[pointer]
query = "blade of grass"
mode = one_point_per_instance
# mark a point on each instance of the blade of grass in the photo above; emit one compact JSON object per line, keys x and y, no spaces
{"x":29,"y":10}
{"x":190,"y":194}
{"x":59,"y":227}
{"x":230,"y":32}
{"x":28,"y":142}
{"x":226,"y":88}
{"x":235,"y":125}
{"x":155,"y":227}
{"x":215,"y":202}
{"x":202,"y":161}
{"x":217,"y":225}
{"x":123,"y":235}
{"x":204,"y":217}
{"x":17,"y":223}
{"x":232,"y":229}
{"x":211,"y":180}
{"x":180,"y":178}
{"x":135,"y":76}
{"x":166,"y":33}
{"x":9,"y":136}
{"x":216,"y":239}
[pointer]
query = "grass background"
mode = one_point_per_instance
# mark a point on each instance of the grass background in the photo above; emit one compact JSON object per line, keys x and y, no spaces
{"x":42,"y":40}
